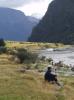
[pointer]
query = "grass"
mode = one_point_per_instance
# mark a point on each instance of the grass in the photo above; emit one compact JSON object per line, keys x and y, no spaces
{"x":34,"y":45}
{"x":30,"y":85}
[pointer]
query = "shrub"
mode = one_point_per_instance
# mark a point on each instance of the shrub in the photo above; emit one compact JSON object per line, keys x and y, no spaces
{"x":2,"y":43}
{"x":11,"y":51}
{"x":59,"y":64}
{"x":46,"y":46}
{"x":25,"y":56}
{"x":3,"y":50}
{"x":43,"y":58}
{"x":72,"y":69}
{"x":49,"y":60}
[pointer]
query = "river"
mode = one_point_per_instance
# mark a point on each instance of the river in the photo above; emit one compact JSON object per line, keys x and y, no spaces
{"x":65,"y":55}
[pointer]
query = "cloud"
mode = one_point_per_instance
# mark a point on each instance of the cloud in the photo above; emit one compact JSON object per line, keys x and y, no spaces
{"x":29,"y":7}
{"x":35,"y":8}
{"x":16,"y":3}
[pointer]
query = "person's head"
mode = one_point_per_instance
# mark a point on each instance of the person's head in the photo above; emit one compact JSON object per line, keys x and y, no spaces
{"x":49,"y":69}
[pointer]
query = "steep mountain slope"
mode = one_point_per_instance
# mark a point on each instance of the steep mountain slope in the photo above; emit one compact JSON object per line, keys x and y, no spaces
{"x":14,"y":25}
{"x":57,"y":25}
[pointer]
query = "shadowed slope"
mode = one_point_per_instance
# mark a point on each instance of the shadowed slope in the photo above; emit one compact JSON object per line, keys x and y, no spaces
{"x":57,"y":25}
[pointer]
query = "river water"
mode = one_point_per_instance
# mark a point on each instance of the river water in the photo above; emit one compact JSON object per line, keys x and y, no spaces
{"x":65,"y":55}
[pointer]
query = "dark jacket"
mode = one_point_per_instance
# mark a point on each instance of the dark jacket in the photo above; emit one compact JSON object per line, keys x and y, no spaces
{"x":49,"y":76}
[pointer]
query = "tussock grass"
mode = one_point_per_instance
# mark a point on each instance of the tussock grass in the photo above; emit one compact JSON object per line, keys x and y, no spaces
{"x":34,"y":45}
{"x":31,"y":86}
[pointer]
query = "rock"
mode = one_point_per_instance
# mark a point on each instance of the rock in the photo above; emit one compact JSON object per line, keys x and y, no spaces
{"x":57,"y":25}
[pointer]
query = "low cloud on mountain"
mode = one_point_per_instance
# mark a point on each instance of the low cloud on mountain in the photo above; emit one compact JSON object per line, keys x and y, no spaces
{"x":16,"y":3}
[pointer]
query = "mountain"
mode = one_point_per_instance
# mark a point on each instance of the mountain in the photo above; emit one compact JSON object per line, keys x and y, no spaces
{"x":14,"y":25}
{"x":37,"y":15}
{"x":33,"y":19}
{"x":57,"y":25}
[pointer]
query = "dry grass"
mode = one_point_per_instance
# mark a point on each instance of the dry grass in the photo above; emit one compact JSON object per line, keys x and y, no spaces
{"x":30,"y":85}
{"x":33,"y":45}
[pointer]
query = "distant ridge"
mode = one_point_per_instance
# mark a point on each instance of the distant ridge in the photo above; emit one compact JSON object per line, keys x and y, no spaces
{"x":14,"y":25}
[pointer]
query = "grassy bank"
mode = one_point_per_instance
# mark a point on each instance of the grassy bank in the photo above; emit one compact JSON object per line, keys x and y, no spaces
{"x":30,"y":85}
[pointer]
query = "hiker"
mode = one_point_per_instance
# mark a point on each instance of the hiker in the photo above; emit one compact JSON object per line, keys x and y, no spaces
{"x":50,"y":77}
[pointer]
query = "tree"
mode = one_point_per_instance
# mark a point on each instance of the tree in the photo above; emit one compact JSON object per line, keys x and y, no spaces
{"x":2,"y":42}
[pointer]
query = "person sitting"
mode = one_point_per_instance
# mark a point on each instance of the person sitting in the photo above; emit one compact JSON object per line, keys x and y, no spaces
{"x":50,"y":77}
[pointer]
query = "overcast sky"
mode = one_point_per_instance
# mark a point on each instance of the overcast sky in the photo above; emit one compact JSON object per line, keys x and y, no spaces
{"x":29,"y":7}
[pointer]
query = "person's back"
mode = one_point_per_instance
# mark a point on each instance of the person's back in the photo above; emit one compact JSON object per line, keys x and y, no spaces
{"x":51,"y":77}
